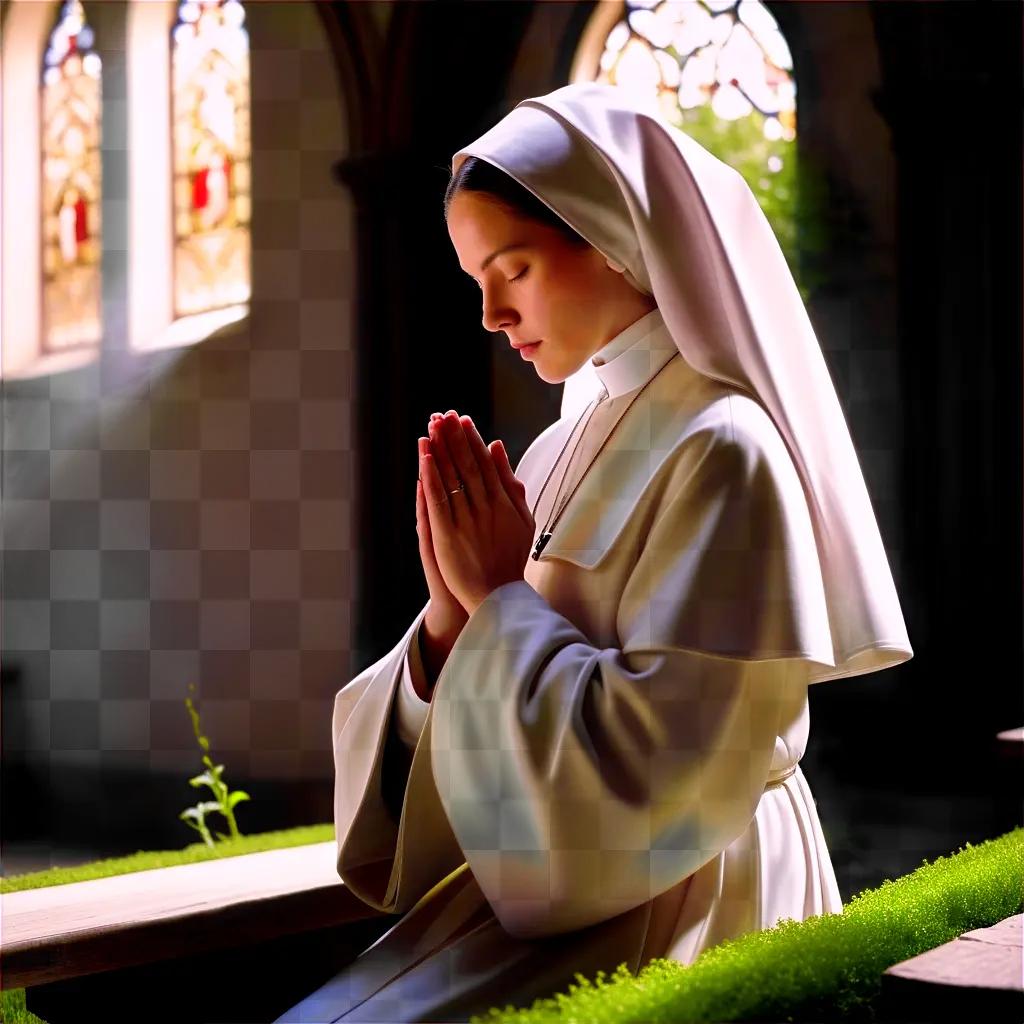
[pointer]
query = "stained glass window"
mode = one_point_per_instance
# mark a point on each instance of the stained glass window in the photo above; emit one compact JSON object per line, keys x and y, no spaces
{"x":211,"y":152}
{"x":721,"y":71}
{"x":70,"y":194}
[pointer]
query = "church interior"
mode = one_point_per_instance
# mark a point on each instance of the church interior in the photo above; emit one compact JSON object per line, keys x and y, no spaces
{"x":230,"y":306}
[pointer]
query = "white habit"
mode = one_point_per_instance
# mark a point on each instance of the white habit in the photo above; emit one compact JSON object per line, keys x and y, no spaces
{"x":607,"y":770}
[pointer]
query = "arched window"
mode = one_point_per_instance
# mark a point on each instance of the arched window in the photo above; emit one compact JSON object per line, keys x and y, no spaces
{"x":70,"y":189}
{"x":211,"y":153}
{"x":187,"y":229}
{"x":722,"y":72}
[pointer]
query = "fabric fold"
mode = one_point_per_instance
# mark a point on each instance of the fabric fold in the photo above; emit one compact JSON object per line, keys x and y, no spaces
{"x":410,"y":708}
{"x":388,"y":864}
{"x":604,"y":778}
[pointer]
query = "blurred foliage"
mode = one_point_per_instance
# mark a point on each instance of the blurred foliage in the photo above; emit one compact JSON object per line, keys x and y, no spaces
{"x":795,"y":198}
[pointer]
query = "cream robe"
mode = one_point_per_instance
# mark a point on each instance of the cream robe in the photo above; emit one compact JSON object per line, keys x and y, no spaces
{"x":608,"y":769}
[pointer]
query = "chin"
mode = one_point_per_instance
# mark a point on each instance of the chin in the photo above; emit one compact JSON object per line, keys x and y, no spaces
{"x":549,"y":376}
{"x":555,"y":375}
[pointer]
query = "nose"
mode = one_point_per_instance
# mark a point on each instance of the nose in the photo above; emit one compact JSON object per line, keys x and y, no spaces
{"x":496,"y":318}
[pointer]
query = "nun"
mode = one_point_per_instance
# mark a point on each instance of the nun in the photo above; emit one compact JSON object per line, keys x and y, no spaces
{"x":585,"y":750}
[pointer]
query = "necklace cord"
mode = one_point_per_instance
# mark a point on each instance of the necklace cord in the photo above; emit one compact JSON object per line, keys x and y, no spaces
{"x":545,"y":534}
{"x":600,"y":399}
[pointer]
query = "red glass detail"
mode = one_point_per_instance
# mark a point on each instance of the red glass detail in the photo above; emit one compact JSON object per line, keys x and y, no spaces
{"x":200,"y":193}
{"x":200,"y":184}
{"x":81,"y":227}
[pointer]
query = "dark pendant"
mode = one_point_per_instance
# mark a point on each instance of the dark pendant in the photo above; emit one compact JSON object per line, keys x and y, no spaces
{"x":541,"y":542}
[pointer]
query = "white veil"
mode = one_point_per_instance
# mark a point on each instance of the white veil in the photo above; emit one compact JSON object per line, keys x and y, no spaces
{"x":691,"y":233}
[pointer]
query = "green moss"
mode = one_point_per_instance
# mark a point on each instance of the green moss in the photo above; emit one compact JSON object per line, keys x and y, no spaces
{"x":191,"y":854}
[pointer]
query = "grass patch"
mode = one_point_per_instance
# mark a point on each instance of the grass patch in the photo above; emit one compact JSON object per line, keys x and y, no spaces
{"x":194,"y":853}
{"x":828,"y":967}
{"x":12,"y":1008}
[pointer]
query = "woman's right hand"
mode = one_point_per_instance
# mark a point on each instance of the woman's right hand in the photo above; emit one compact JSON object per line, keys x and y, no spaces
{"x":445,"y":616}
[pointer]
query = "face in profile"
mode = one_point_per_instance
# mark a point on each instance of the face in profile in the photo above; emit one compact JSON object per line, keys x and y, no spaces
{"x":536,"y":286}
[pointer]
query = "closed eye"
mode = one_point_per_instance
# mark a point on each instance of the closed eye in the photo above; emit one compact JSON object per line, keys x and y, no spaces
{"x":518,"y":277}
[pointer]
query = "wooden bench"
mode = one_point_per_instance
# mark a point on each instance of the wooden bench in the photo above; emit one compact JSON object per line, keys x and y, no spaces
{"x":976,"y":977}
{"x":244,"y":938}
{"x":236,"y":939}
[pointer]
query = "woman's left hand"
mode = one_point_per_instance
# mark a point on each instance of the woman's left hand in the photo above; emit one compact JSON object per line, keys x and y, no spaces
{"x":482,"y":535}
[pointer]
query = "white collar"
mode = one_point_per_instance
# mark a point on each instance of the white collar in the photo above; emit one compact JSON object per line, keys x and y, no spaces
{"x":635,"y":354}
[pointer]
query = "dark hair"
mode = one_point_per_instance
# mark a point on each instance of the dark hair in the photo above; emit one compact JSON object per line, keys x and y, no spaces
{"x":476,"y":175}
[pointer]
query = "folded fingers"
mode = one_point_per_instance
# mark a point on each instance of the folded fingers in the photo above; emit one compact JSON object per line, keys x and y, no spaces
{"x":463,"y":459}
{"x":485,"y":463}
{"x":442,"y":457}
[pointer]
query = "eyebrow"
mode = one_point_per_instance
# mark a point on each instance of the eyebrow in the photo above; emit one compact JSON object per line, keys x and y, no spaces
{"x":494,"y":255}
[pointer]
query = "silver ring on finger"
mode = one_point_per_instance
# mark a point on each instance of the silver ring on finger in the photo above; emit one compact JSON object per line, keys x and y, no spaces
{"x":461,"y":489}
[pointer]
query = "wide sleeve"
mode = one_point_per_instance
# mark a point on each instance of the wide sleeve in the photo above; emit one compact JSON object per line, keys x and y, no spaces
{"x":410,"y":708}
{"x":394,"y":842}
{"x":582,"y":781}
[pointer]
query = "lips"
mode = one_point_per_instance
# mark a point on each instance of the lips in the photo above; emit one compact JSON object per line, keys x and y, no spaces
{"x":524,"y":344}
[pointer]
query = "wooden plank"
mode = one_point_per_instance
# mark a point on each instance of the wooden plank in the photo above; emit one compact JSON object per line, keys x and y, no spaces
{"x":981,"y":972}
{"x":234,"y":985}
{"x":965,"y":963}
{"x":69,"y":930}
{"x":1009,"y":932}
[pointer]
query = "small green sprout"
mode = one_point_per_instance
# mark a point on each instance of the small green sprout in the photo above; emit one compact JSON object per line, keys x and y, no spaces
{"x":195,"y":817}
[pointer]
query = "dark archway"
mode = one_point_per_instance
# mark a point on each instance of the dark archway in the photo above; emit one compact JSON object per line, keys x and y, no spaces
{"x":421,"y":346}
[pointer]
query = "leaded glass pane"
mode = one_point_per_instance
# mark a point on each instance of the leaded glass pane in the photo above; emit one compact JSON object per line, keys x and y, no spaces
{"x":71,"y":184}
{"x":211,"y":152}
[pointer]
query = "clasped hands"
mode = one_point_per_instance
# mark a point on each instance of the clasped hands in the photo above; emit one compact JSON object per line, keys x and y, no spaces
{"x":478,"y":538}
